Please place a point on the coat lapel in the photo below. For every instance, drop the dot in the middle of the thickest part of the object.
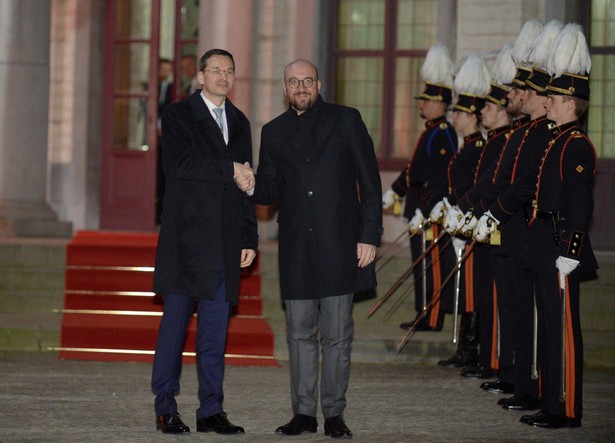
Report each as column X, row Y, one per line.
column 205, row 121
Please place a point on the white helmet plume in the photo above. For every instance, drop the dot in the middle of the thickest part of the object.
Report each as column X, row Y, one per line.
column 526, row 37
column 438, row 67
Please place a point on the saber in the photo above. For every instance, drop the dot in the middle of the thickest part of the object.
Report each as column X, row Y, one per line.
column 562, row 290
column 434, row 299
column 535, row 343
column 456, row 305
column 393, row 243
column 424, row 270
column 403, row 277
column 404, row 294
column 394, row 251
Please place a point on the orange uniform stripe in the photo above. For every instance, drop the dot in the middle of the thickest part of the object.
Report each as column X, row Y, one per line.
column 469, row 282
column 570, row 359
column 437, row 279
column 495, row 359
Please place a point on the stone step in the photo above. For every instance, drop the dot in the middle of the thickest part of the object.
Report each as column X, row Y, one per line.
column 30, row 318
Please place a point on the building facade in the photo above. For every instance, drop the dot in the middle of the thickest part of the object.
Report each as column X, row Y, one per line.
column 78, row 128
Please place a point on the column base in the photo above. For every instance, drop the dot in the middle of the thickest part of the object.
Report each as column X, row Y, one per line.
column 19, row 219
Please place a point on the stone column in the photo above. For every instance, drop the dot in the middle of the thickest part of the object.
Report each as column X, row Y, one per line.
column 24, row 109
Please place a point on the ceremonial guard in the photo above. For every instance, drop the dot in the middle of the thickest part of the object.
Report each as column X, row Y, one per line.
column 423, row 176
column 511, row 210
column 496, row 119
column 559, row 245
column 471, row 85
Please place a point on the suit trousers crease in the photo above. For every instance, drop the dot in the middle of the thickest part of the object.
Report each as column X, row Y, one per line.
column 212, row 324
column 332, row 316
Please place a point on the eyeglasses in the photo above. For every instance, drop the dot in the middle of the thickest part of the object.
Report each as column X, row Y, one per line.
column 217, row 71
column 295, row 82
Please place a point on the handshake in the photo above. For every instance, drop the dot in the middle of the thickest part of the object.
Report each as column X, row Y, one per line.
column 244, row 177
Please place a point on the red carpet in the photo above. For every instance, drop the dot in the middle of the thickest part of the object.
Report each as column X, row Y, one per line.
column 110, row 313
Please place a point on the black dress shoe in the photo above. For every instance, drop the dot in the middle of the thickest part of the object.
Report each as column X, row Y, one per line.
column 299, row 424
column 219, row 424
column 458, row 360
column 336, row 428
column 556, row 421
column 525, row 403
column 527, row 419
column 171, row 424
column 477, row 372
column 498, row 387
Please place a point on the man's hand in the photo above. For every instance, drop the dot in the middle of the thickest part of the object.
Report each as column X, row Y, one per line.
column 247, row 257
column 467, row 224
column 436, row 212
column 453, row 219
column 485, row 226
column 365, row 254
column 244, row 177
column 388, row 199
column 439, row 211
column 565, row 266
column 416, row 222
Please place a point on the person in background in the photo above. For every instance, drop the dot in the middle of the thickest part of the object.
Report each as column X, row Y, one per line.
column 189, row 80
column 423, row 176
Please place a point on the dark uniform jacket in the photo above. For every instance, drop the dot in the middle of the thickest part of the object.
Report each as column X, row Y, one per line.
column 462, row 167
column 206, row 220
column 322, row 166
column 563, row 201
column 496, row 140
column 515, row 186
column 421, row 181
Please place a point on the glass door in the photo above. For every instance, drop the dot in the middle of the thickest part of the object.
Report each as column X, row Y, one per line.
column 146, row 44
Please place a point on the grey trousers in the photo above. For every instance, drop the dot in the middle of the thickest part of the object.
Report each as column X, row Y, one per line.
column 303, row 318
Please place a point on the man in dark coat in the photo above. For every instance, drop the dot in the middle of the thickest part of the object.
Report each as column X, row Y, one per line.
column 319, row 160
column 208, row 233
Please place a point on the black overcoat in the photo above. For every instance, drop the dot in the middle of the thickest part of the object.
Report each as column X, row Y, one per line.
column 206, row 219
column 322, row 166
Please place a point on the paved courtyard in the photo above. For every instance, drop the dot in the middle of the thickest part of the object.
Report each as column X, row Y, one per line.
column 43, row 399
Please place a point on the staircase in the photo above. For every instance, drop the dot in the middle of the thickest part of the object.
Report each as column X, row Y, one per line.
column 32, row 300
column 110, row 313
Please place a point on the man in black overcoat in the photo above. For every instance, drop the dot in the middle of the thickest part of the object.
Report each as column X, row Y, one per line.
column 208, row 232
column 319, row 160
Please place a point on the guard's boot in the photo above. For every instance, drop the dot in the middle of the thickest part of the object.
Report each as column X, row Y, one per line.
column 467, row 349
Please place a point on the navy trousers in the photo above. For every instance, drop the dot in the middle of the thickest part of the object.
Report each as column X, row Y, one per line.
column 212, row 323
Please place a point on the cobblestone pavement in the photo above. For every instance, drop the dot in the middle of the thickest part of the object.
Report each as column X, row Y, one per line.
column 45, row 399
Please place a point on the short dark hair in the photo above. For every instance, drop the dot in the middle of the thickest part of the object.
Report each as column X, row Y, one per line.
column 581, row 105
column 211, row 53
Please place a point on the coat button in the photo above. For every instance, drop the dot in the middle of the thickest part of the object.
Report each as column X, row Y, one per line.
column 310, row 193
column 307, row 161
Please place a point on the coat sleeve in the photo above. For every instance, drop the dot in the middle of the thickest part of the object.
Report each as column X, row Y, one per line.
column 368, row 177
column 267, row 178
column 249, row 227
column 181, row 160
column 578, row 166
